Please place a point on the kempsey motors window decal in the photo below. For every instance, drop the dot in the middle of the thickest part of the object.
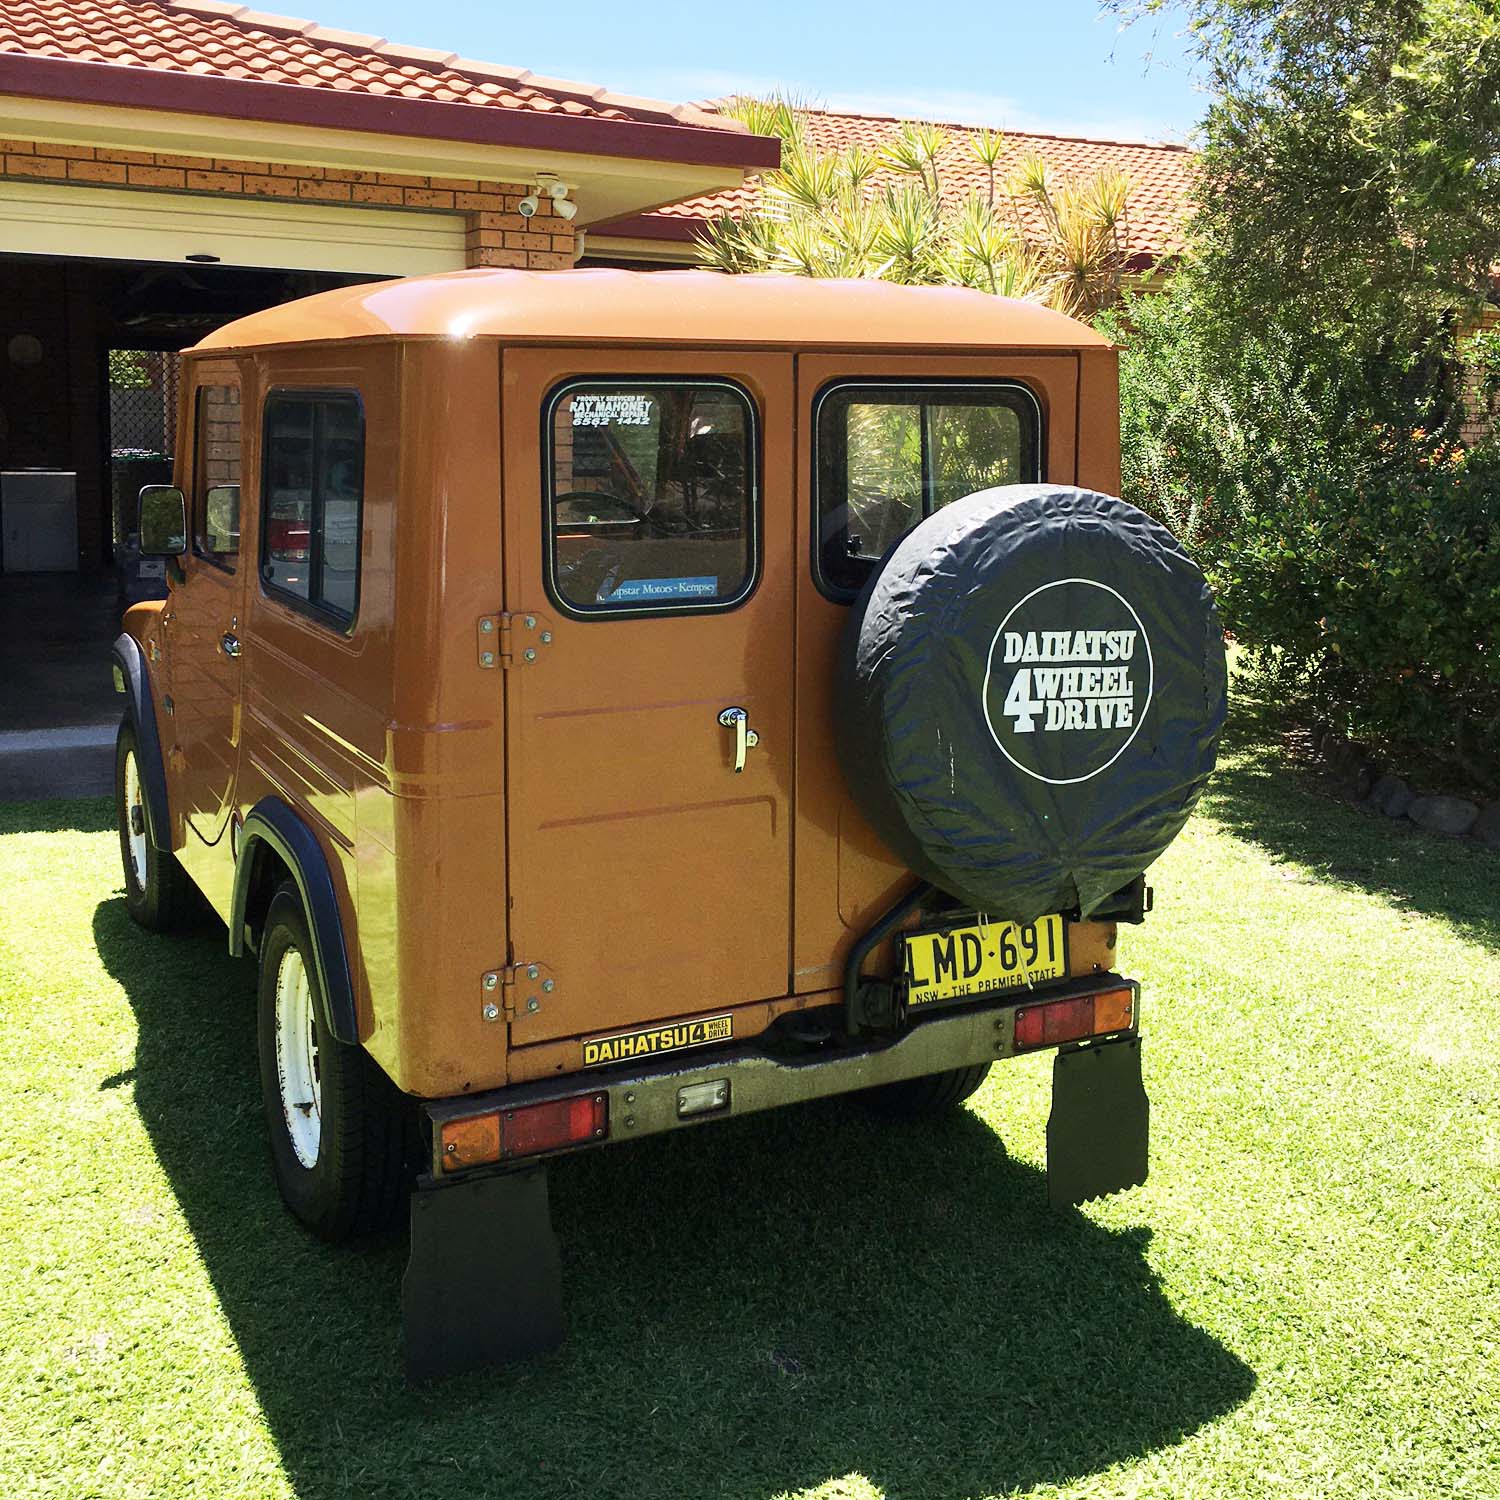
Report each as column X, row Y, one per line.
column 1068, row 680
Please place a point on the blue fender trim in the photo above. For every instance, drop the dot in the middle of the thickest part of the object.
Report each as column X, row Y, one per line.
column 274, row 822
column 141, row 711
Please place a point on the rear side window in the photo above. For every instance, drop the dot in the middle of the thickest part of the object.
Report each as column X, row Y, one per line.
column 314, row 465
column 888, row 455
column 216, row 474
column 651, row 501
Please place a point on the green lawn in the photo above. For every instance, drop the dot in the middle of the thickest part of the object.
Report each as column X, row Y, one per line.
column 1303, row 1301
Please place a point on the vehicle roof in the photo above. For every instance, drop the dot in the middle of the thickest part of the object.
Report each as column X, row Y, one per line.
column 660, row 307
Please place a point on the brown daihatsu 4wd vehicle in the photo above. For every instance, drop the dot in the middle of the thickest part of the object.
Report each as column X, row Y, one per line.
column 607, row 703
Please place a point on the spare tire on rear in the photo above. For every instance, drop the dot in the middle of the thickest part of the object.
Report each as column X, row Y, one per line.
column 1029, row 697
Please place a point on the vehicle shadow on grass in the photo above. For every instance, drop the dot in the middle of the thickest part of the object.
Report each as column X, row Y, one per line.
column 754, row 1307
column 58, row 815
column 1260, row 796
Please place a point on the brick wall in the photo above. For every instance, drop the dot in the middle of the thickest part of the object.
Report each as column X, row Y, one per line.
column 219, row 435
column 1480, row 417
column 495, row 233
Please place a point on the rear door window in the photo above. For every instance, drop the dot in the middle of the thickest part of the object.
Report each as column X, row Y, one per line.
column 651, row 498
column 314, row 458
column 888, row 455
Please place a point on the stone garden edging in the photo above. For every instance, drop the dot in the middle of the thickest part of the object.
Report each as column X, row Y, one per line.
column 1380, row 790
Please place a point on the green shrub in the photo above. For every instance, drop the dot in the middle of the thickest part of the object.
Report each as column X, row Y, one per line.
column 1354, row 546
column 127, row 370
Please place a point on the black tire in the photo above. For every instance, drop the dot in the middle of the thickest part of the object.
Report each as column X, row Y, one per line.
column 352, row 1180
column 158, row 893
column 1029, row 698
column 933, row 1094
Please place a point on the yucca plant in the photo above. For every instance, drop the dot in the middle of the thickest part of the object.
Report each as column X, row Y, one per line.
column 914, row 150
column 1083, row 230
column 988, row 147
column 882, row 213
column 780, row 115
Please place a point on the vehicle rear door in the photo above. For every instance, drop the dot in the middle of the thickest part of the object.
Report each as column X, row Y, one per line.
column 882, row 440
column 649, row 588
column 204, row 611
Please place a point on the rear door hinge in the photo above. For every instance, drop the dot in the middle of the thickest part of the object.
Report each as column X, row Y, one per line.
column 516, row 990
column 512, row 640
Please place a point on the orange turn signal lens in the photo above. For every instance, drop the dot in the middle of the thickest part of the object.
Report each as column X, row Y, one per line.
column 1058, row 1021
column 1114, row 1010
column 470, row 1142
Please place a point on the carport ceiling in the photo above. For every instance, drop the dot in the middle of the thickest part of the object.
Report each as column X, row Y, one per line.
column 172, row 306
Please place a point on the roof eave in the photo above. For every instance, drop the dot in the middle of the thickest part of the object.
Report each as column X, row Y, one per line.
column 295, row 104
column 652, row 227
column 683, row 229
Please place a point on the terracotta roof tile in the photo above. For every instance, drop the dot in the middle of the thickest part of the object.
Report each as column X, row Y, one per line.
column 233, row 41
column 1159, row 174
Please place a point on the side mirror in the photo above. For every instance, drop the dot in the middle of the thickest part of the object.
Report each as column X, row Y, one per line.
column 163, row 521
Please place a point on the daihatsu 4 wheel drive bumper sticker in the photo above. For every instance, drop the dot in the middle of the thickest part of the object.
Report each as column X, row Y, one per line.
column 649, row 1041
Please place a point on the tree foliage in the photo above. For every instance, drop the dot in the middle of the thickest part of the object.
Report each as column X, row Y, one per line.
column 1355, row 551
column 1351, row 161
column 1292, row 404
column 885, row 213
column 127, row 370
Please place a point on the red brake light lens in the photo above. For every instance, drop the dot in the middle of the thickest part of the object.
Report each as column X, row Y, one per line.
column 557, row 1123
column 1058, row 1021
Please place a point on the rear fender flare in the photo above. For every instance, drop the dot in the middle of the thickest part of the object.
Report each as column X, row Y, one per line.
column 140, row 710
column 274, row 823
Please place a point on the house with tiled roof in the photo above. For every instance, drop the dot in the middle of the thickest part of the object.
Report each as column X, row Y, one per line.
column 166, row 165
column 1159, row 176
column 169, row 165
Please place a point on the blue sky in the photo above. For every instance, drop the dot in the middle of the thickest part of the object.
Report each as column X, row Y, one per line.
column 1048, row 65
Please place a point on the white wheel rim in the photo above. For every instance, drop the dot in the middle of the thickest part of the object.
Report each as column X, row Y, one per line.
column 135, row 819
column 297, row 1058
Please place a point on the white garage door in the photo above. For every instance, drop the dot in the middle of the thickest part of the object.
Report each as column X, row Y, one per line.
column 39, row 218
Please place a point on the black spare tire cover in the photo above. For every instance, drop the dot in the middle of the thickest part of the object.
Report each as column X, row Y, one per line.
column 1029, row 697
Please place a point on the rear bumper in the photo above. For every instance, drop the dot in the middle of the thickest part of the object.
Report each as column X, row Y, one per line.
column 644, row 1099
column 484, row 1279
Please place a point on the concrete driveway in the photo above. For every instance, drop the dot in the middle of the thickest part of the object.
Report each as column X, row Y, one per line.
column 58, row 707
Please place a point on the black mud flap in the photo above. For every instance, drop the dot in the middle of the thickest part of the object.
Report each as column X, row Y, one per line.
column 1100, row 1121
column 484, row 1281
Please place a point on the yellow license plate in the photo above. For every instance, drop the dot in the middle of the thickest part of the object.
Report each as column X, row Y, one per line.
column 958, row 963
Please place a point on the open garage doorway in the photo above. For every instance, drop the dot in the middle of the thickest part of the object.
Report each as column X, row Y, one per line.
column 88, row 370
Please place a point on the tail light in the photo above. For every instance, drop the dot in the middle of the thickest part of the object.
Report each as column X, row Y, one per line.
column 548, row 1127
column 1058, row 1021
column 288, row 541
column 526, row 1130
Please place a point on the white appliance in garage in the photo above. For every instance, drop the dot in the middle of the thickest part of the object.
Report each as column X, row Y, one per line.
column 39, row 520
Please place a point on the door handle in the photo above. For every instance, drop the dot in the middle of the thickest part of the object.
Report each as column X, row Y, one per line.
column 231, row 643
column 744, row 736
